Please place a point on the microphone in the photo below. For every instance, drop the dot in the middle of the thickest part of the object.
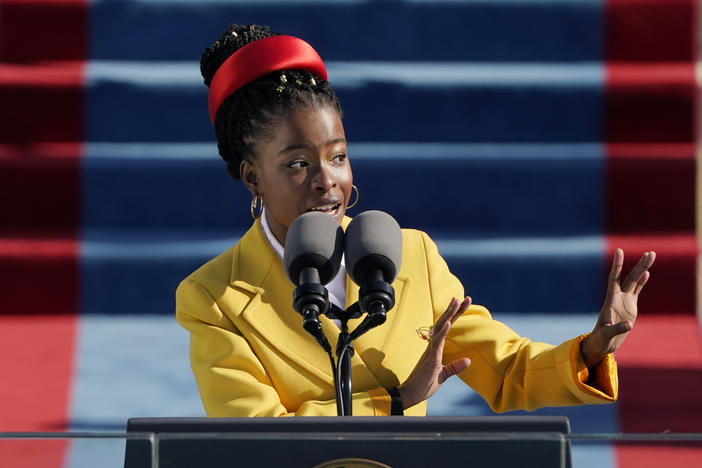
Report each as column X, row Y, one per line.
column 312, row 257
column 373, row 257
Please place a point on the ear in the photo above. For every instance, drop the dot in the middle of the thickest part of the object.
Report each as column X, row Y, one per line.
column 249, row 176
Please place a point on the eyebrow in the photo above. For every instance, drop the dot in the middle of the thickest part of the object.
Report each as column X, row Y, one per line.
column 287, row 149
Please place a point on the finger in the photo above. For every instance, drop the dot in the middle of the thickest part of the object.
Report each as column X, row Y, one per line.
column 453, row 368
column 639, row 269
column 450, row 310
column 641, row 282
column 615, row 272
column 436, row 349
column 440, row 334
column 462, row 307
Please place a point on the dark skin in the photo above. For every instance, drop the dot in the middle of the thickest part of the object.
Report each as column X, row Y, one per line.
column 303, row 166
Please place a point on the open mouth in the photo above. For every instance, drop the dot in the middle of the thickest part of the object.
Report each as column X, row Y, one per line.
column 331, row 210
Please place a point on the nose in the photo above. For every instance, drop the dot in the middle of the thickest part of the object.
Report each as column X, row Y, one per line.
column 323, row 180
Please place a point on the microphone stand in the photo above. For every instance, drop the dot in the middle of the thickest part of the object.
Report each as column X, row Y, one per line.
column 317, row 300
column 344, row 353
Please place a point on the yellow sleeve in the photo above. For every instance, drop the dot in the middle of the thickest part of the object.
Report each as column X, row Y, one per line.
column 508, row 371
column 231, row 379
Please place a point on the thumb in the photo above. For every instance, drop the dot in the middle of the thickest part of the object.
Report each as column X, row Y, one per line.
column 610, row 331
column 453, row 368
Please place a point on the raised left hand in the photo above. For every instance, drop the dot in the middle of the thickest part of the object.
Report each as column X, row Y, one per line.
column 429, row 373
column 619, row 310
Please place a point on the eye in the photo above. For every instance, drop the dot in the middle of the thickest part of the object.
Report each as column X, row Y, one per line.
column 340, row 157
column 298, row 164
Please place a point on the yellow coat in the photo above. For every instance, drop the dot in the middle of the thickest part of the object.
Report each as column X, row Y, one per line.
column 251, row 356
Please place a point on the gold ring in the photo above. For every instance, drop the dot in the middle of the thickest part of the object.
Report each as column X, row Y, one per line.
column 425, row 333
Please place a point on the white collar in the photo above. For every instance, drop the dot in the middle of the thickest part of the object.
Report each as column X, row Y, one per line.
column 337, row 286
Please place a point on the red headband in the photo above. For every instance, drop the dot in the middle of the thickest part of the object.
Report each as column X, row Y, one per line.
column 259, row 58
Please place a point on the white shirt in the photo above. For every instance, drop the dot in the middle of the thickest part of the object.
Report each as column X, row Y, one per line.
column 337, row 286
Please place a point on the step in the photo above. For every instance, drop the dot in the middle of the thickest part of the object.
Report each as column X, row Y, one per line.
column 495, row 30
column 40, row 274
column 40, row 187
column 537, row 275
column 412, row 101
column 423, row 101
column 475, row 189
column 137, row 272
column 551, row 30
column 398, row 30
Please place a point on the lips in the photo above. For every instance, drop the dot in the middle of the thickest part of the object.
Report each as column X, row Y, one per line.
column 331, row 209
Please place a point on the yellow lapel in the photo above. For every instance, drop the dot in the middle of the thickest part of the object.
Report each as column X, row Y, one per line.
column 258, row 270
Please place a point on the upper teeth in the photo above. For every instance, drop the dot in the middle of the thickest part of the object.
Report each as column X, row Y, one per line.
column 323, row 208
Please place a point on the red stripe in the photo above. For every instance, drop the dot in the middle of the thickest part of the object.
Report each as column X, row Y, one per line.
column 651, row 188
column 42, row 48
column 652, row 102
column 36, row 358
column 651, row 30
column 672, row 286
column 41, row 103
column 37, row 336
column 34, row 30
column 660, row 373
column 40, row 188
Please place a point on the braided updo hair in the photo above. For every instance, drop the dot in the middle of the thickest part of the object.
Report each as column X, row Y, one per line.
column 253, row 110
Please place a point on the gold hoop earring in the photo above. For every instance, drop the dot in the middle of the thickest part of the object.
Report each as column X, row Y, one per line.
column 254, row 204
column 353, row 187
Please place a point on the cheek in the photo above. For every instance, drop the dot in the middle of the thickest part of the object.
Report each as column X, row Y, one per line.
column 284, row 198
column 345, row 180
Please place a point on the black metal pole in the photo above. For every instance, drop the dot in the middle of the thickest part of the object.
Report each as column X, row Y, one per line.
column 344, row 352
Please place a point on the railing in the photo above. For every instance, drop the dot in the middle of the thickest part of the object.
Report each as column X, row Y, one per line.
column 107, row 449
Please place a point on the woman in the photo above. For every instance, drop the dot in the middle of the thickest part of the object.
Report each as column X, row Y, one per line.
column 278, row 125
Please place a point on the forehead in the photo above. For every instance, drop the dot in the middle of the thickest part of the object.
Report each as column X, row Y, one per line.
column 311, row 124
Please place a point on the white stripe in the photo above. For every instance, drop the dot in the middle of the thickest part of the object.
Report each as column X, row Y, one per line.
column 353, row 74
column 149, row 152
column 509, row 2
column 477, row 151
column 129, row 247
column 422, row 74
column 359, row 2
column 239, row 3
column 522, row 247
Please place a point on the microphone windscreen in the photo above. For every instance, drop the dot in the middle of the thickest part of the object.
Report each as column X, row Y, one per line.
column 373, row 242
column 314, row 240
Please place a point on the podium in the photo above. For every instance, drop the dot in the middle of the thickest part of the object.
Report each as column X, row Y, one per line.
column 395, row 441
